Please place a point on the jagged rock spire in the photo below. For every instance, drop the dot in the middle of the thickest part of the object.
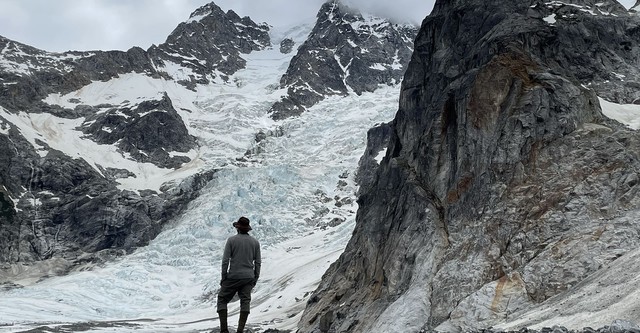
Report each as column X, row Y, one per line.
column 211, row 42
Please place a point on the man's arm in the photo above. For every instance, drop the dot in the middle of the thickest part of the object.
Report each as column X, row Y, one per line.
column 257, row 262
column 225, row 261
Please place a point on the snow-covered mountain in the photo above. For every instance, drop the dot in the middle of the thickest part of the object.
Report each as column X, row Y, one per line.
column 123, row 170
column 490, row 189
column 91, row 137
column 355, row 53
column 98, row 136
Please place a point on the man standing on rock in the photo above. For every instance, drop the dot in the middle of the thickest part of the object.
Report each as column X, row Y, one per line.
column 240, row 271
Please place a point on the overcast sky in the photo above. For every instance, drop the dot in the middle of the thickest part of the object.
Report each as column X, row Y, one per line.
column 61, row 25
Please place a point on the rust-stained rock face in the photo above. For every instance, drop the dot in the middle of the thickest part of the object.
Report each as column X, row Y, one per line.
column 503, row 183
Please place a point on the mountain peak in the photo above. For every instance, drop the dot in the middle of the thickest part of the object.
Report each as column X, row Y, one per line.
column 359, row 51
column 213, row 10
column 331, row 8
column 210, row 43
column 206, row 10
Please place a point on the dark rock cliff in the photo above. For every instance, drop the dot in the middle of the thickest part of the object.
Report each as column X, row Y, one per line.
column 344, row 52
column 503, row 184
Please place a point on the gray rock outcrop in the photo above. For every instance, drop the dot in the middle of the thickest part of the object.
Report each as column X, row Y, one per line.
column 377, row 142
column 503, row 184
column 147, row 132
column 286, row 46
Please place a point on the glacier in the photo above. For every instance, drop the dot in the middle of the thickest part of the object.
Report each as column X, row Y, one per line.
column 288, row 188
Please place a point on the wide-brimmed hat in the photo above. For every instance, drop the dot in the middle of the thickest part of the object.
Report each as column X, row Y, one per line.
column 242, row 224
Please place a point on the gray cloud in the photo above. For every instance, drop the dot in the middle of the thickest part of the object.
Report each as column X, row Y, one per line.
column 63, row 25
column 274, row 12
column 405, row 11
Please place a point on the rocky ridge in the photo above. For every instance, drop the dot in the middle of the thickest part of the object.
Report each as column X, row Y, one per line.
column 503, row 186
column 210, row 45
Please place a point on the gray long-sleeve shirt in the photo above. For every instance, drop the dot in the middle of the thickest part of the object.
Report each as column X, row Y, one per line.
column 241, row 258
